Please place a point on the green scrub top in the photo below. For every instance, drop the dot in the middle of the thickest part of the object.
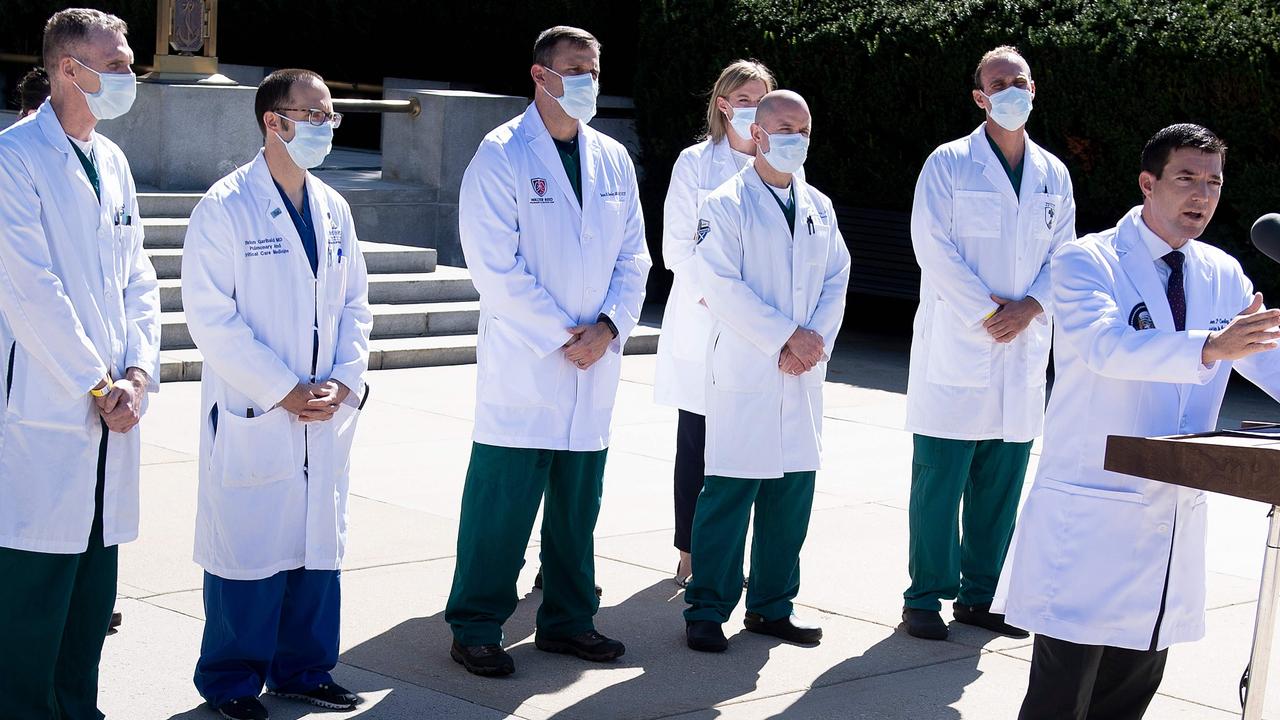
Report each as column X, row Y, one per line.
column 569, row 156
column 1015, row 174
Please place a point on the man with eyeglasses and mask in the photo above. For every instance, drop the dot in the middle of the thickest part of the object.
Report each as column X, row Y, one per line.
column 550, row 222
column 80, row 344
column 990, row 208
column 276, row 297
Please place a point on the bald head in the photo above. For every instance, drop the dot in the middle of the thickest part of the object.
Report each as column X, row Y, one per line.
column 783, row 111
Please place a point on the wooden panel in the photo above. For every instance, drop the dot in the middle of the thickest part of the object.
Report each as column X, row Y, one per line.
column 1246, row 466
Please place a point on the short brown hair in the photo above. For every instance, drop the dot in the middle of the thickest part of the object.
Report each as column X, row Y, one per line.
column 274, row 91
column 33, row 88
column 544, row 48
column 988, row 56
column 71, row 26
column 737, row 74
column 1155, row 155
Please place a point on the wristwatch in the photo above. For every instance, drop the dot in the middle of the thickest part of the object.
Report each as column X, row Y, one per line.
column 609, row 323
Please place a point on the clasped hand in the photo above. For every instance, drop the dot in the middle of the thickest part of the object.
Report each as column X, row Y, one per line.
column 802, row 352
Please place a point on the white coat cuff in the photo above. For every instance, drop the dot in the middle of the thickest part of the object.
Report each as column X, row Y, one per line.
column 272, row 394
column 349, row 377
column 1204, row 373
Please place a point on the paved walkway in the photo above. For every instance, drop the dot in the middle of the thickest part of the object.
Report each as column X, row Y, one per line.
column 407, row 481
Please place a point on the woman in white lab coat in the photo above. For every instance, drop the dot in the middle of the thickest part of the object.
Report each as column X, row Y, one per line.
column 686, row 324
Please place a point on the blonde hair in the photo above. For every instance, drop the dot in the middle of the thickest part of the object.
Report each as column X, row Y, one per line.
column 1004, row 51
column 737, row 74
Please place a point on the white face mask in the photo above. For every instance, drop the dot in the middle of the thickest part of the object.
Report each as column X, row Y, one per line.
column 579, row 99
column 115, row 94
column 310, row 144
column 1010, row 107
column 743, row 118
column 786, row 153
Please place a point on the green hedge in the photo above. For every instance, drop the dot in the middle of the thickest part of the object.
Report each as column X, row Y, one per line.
column 889, row 80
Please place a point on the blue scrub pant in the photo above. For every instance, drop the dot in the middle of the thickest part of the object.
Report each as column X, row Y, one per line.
column 281, row 631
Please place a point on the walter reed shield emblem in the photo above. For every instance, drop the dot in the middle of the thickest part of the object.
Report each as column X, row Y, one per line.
column 539, row 186
column 1140, row 318
column 1049, row 213
column 704, row 227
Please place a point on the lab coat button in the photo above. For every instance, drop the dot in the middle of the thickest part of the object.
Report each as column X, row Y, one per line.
column 1164, row 527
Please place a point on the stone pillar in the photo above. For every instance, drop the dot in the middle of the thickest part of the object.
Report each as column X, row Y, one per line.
column 434, row 148
column 186, row 137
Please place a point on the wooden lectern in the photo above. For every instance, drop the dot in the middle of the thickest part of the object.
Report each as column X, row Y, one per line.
column 1244, row 463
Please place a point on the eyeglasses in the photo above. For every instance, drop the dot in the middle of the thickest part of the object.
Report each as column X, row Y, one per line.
column 317, row 117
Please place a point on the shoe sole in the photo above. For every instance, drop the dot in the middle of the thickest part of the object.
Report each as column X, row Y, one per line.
column 228, row 717
column 717, row 648
column 924, row 636
column 793, row 641
column 313, row 701
column 1020, row 636
column 476, row 669
column 563, row 648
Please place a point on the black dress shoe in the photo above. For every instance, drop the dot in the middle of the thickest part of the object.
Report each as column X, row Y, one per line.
column 116, row 619
column 486, row 660
column 330, row 696
column 245, row 708
column 981, row 616
column 537, row 584
column 787, row 628
column 925, row 624
column 589, row 645
column 705, row 636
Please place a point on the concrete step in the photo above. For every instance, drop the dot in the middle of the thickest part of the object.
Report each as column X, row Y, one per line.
column 445, row 284
column 163, row 232
column 389, row 321
column 167, row 204
column 387, row 354
column 379, row 259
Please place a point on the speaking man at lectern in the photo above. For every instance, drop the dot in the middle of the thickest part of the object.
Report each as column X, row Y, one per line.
column 1108, row 569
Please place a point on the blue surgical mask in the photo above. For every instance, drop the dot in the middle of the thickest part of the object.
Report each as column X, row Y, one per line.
column 310, row 144
column 741, row 121
column 115, row 95
column 1010, row 107
column 786, row 153
column 579, row 99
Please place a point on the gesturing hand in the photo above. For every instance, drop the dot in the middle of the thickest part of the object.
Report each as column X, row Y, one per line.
column 1252, row 331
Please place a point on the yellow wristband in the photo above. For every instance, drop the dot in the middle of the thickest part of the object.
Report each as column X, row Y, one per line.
column 100, row 393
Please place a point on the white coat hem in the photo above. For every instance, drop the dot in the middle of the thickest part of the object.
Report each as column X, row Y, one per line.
column 263, row 573
column 754, row 474
column 539, row 443
column 48, row 547
column 1093, row 635
column 975, row 436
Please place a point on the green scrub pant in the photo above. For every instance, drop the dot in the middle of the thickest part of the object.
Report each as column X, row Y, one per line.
column 54, row 613
column 499, row 504
column 782, row 507
column 987, row 475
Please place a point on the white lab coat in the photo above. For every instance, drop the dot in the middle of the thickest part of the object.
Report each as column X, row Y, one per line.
column 78, row 299
column 973, row 237
column 680, row 375
column 761, row 282
column 543, row 264
column 253, row 307
column 1091, row 550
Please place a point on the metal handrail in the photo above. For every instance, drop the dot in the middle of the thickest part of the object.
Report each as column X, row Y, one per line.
column 409, row 107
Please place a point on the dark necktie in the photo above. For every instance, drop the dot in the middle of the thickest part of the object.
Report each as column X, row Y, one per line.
column 1176, row 293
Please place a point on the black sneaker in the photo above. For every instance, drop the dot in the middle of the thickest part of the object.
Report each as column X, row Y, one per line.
column 330, row 696
column 788, row 628
column 925, row 624
column 981, row 616
column 485, row 660
column 537, row 584
column 589, row 645
column 705, row 636
column 245, row 708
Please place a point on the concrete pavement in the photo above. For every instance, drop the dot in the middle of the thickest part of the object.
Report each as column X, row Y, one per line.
column 411, row 454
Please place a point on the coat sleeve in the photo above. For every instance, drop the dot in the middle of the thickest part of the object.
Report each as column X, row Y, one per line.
column 141, row 303
column 489, row 227
column 209, row 301
column 680, row 218
column 1063, row 233
column 935, row 248
column 719, row 256
column 829, row 313
column 623, row 301
column 1097, row 329
column 351, row 355
column 32, row 297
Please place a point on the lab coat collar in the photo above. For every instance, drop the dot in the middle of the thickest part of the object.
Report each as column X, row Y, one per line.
column 47, row 120
column 1155, row 244
column 764, row 197
column 272, row 206
column 1136, row 261
column 538, row 138
column 1034, row 167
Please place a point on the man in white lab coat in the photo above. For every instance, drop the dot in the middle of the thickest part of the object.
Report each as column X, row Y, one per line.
column 80, row 333
column 276, row 298
column 774, row 270
column 1107, row 569
column 551, row 227
column 989, row 210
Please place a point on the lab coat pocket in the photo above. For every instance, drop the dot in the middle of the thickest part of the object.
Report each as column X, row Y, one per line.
column 959, row 354
column 977, row 214
column 248, row 452
column 738, row 366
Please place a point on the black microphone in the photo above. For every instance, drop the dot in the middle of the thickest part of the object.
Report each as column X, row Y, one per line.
column 1266, row 235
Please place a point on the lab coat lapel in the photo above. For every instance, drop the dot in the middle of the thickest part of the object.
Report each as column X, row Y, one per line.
column 981, row 152
column 57, row 137
column 544, row 148
column 766, row 206
column 717, row 167
column 1200, row 287
column 591, row 160
column 1141, row 271
column 274, row 210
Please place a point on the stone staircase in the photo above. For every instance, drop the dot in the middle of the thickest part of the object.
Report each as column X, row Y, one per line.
column 424, row 314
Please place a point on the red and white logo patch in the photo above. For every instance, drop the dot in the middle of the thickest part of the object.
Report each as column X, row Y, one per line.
column 539, row 186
